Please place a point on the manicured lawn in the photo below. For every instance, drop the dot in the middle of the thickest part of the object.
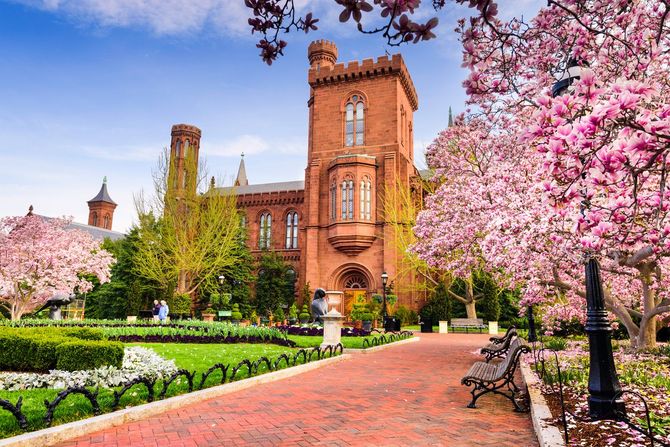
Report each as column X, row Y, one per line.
column 198, row 357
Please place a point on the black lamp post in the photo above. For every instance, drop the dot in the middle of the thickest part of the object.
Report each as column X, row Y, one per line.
column 385, row 278
column 603, row 380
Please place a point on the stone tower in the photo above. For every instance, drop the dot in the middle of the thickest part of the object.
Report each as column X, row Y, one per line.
column 101, row 208
column 184, row 153
column 360, row 141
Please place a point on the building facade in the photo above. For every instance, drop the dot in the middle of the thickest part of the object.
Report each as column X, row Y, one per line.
column 331, row 227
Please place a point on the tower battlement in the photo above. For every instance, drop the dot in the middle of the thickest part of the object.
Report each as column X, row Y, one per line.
column 368, row 68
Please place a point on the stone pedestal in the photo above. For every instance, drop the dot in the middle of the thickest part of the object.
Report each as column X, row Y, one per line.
column 332, row 328
column 444, row 327
column 493, row 328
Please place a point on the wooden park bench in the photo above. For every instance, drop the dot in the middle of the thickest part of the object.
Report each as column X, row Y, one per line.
column 498, row 348
column 494, row 378
column 468, row 323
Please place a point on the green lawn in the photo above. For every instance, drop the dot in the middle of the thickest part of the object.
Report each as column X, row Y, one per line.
column 198, row 357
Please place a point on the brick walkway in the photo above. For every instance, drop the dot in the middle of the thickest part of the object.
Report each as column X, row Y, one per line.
column 408, row 395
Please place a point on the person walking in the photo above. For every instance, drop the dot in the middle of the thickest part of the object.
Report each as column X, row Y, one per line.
column 156, row 309
column 163, row 312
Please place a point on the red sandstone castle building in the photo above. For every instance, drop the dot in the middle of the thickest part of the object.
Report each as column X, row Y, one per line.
column 331, row 227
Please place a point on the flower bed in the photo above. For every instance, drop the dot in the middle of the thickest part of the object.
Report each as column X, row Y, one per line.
column 646, row 373
column 137, row 362
column 310, row 330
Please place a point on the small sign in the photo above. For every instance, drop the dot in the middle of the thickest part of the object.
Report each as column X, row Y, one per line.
column 225, row 313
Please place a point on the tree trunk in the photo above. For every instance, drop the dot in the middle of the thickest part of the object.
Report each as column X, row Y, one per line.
column 182, row 283
column 470, row 299
column 647, row 337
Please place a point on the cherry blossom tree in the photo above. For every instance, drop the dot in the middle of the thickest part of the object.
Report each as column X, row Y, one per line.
column 40, row 258
column 593, row 159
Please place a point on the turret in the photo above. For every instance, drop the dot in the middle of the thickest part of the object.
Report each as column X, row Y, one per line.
column 322, row 53
column 184, row 152
column 101, row 208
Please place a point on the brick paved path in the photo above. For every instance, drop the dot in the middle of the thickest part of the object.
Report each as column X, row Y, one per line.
column 408, row 395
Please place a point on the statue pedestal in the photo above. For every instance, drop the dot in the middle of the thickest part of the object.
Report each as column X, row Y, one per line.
column 332, row 328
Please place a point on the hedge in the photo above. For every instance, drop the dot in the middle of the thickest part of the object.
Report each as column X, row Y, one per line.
column 35, row 349
column 78, row 355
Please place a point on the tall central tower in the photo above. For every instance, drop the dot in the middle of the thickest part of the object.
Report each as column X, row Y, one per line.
column 360, row 142
column 184, row 155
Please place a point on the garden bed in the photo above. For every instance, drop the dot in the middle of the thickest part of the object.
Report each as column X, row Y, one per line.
column 201, row 366
column 647, row 374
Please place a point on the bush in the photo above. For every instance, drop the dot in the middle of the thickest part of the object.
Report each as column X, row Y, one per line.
column 367, row 316
column 304, row 316
column 82, row 355
column 236, row 314
column 36, row 349
column 279, row 315
column 180, row 304
column 556, row 343
column 406, row 315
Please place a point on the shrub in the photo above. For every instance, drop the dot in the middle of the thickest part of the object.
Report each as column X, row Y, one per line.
column 293, row 312
column 279, row 314
column 304, row 316
column 84, row 333
column 406, row 315
column 81, row 355
column 367, row 316
column 180, row 304
column 556, row 343
column 357, row 311
column 236, row 314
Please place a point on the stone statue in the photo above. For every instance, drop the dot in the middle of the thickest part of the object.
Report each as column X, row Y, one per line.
column 54, row 304
column 319, row 305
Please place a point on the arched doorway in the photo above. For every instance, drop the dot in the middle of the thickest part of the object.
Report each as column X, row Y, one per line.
column 355, row 289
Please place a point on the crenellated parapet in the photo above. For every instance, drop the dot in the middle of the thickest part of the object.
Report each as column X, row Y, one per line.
column 368, row 68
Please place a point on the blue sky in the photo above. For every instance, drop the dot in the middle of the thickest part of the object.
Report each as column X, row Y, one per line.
column 91, row 89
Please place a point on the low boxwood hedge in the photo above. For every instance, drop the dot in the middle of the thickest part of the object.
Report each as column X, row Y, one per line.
column 78, row 355
column 35, row 349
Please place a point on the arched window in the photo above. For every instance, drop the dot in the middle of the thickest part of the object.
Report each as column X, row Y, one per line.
column 354, row 122
column 365, row 197
column 292, row 230
column 95, row 219
column 356, row 281
column 348, row 199
column 266, row 231
column 333, row 201
column 105, row 222
column 186, row 146
column 177, row 150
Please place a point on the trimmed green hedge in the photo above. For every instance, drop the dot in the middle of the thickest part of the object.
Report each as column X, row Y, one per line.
column 78, row 355
column 35, row 349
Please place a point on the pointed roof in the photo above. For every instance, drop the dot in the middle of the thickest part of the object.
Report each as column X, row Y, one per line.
column 241, row 179
column 103, row 195
column 451, row 118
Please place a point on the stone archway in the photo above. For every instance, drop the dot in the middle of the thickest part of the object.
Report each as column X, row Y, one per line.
column 355, row 282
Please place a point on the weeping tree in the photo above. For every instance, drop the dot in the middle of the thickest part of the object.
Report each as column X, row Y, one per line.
column 188, row 234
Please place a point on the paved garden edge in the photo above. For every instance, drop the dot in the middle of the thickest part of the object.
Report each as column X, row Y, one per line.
column 547, row 435
column 64, row 432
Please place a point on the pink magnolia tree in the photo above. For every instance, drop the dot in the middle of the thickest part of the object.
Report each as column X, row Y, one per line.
column 594, row 159
column 40, row 258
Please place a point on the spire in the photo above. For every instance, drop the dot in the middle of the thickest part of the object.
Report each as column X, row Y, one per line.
column 103, row 195
column 241, row 179
column 451, row 118
column 30, row 210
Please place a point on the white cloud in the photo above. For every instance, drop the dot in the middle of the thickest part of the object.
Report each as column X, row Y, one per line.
column 163, row 17
column 254, row 144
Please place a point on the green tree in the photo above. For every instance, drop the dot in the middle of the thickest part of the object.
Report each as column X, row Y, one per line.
column 275, row 285
column 198, row 234
column 126, row 293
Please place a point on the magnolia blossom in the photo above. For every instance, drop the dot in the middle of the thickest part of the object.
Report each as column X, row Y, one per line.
column 40, row 258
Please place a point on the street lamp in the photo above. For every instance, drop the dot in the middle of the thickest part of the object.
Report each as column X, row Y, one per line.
column 385, row 278
column 603, row 381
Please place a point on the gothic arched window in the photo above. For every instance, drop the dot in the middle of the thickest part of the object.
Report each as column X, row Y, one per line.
column 292, row 230
column 365, row 198
column 177, row 149
column 333, row 201
column 266, row 231
column 347, row 199
column 354, row 121
column 105, row 222
column 95, row 219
